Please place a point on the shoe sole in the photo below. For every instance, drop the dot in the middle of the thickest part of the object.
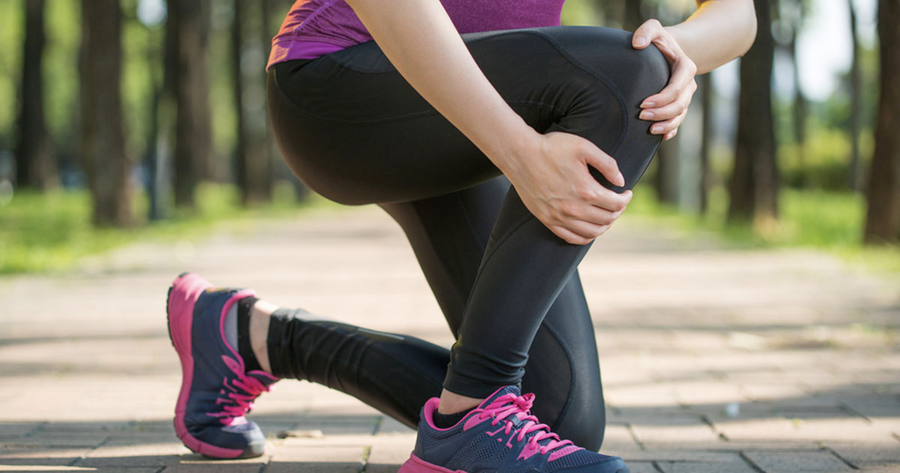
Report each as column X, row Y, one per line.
column 417, row 465
column 183, row 293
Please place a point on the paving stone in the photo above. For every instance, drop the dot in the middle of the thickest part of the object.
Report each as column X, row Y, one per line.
column 872, row 453
column 337, row 454
column 737, row 465
column 661, row 435
column 642, row 467
column 12, row 430
column 58, row 440
column 40, row 456
column 128, row 453
column 213, row 467
column 775, row 462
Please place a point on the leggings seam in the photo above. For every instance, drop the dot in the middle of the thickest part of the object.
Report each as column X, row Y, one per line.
column 487, row 257
column 426, row 113
column 617, row 94
column 574, row 380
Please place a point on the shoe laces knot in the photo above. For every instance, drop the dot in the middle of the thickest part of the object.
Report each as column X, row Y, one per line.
column 238, row 393
column 510, row 405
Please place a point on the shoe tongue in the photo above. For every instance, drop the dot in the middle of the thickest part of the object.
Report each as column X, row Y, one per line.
column 498, row 393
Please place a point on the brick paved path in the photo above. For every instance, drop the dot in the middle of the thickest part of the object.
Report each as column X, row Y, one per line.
column 714, row 360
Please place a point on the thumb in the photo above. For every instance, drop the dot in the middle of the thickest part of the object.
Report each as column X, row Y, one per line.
column 644, row 33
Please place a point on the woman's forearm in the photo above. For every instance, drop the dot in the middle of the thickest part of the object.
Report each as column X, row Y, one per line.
column 719, row 31
column 422, row 43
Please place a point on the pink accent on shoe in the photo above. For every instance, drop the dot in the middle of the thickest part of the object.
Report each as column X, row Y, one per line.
column 242, row 403
column 428, row 412
column 519, row 406
column 561, row 453
column 184, row 294
column 417, row 465
column 230, row 302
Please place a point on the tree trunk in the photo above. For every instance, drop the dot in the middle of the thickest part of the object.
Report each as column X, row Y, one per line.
column 35, row 157
column 855, row 177
column 707, row 133
column 754, row 183
column 667, row 158
column 883, row 217
column 193, row 140
column 633, row 16
column 268, row 143
column 241, row 158
column 102, row 134
column 799, row 108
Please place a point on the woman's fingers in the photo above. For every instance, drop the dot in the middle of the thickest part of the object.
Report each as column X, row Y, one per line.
column 604, row 163
column 672, row 109
column 668, row 107
column 667, row 126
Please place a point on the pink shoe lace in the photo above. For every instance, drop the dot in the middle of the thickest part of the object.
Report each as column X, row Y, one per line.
column 238, row 399
column 520, row 406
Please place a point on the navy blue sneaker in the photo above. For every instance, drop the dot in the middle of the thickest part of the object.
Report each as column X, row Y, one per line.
column 501, row 436
column 216, row 392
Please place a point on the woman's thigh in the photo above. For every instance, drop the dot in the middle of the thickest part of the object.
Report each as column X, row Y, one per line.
column 352, row 128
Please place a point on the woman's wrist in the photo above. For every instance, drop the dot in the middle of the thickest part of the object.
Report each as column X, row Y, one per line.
column 511, row 149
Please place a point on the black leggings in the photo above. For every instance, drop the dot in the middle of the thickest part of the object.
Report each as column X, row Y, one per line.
column 355, row 131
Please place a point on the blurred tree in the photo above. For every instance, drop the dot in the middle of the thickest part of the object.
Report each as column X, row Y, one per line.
column 855, row 177
column 253, row 160
column 883, row 217
column 36, row 165
column 800, row 108
column 633, row 16
column 754, row 182
column 187, row 69
column 102, row 132
column 707, row 132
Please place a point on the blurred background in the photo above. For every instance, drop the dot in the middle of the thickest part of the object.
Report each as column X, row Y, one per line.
column 121, row 119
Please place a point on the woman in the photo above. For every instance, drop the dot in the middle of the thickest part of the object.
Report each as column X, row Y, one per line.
column 451, row 103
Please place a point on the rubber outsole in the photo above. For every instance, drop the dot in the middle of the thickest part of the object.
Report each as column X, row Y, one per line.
column 416, row 465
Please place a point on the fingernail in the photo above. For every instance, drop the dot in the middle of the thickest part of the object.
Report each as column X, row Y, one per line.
column 620, row 179
column 645, row 115
column 656, row 129
column 648, row 104
column 640, row 41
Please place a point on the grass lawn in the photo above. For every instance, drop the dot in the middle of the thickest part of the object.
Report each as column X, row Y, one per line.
column 811, row 219
column 51, row 232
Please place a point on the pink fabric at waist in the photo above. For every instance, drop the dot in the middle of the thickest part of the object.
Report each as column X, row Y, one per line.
column 288, row 50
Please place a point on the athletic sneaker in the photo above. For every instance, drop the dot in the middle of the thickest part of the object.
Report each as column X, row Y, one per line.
column 502, row 436
column 216, row 392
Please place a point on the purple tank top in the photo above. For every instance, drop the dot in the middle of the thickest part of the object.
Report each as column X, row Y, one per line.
column 314, row 28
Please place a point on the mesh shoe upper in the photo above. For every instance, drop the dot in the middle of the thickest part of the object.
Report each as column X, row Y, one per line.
column 501, row 435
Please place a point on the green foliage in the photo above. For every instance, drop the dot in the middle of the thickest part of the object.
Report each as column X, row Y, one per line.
column 11, row 33
column 61, row 85
column 811, row 219
column 51, row 232
column 824, row 163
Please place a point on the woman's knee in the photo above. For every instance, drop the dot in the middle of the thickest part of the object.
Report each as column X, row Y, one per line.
column 608, row 54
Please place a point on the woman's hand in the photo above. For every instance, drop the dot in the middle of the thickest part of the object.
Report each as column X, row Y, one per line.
column 669, row 107
column 554, row 182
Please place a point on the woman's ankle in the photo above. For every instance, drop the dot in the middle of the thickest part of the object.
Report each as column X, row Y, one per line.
column 259, row 332
column 452, row 403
